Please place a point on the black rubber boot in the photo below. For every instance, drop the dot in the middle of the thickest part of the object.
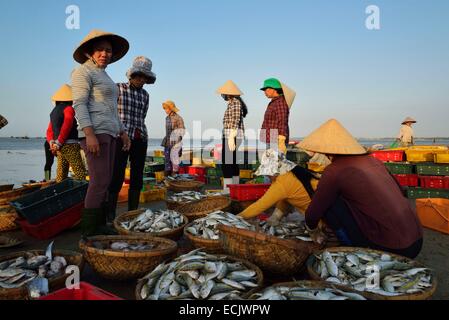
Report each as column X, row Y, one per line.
column 133, row 199
column 102, row 227
column 89, row 221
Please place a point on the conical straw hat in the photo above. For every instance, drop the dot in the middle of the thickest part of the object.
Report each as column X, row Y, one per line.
column 409, row 119
column 332, row 138
column 120, row 45
column 289, row 94
column 230, row 88
column 64, row 94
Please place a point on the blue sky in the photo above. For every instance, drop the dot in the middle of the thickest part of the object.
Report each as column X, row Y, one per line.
column 369, row 80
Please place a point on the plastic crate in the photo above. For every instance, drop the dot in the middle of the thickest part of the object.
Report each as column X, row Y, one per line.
column 43, row 204
column 183, row 170
column 434, row 214
column 85, row 292
column 424, row 193
column 214, row 181
column 158, row 153
column 407, row 180
column 214, row 172
column 434, row 182
column 246, row 174
column 389, row 156
column 202, row 179
column 55, row 225
column 153, row 194
column 196, row 170
column 154, row 168
column 160, row 160
column 400, row 168
column 248, row 192
column 441, row 157
column 123, row 194
column 160, row 176
column 431, row 169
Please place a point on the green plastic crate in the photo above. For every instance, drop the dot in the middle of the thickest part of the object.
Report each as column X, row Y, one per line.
column 154, row 168
column 160, row 160
column 422, row 193
column 214, row 172
column 432, row 169
column 400, row 168
column 214, row 181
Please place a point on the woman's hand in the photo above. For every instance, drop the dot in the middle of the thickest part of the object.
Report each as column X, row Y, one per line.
column 317, row 235
column 126, row 141
column 92, row 144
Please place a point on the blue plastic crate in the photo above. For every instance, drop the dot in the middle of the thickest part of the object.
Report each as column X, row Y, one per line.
column 43, row 204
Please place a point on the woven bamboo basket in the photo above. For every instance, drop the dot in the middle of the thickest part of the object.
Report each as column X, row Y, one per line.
column 273, row 255
column 311, row 285
column 7, row 242
column 247, row 264
column 426, row 294
column 56, row 283
column 173, row 205
column 186, row 185
column 14, row 194
column 208, row 245
column 201, row 208
column 6, row 187
column 174, row 234
column 8, row 217
column 120, row 265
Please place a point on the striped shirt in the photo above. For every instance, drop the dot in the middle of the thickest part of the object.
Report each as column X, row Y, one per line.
column 233, row 118
column 95, row 100
column 132, row 108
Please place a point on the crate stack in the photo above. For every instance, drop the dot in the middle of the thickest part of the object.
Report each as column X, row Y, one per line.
column 214, row 176
column 199, row 172
column 423, row 170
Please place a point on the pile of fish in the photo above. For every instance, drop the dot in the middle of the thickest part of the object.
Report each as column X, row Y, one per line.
column 124, row 246
column 302, row 293
column 287, row 230
column 207, row 227
column 187, row 196
column 22, row 270
column 368, row 271
column 198, row 275
column 181, row 177
column 154, row 222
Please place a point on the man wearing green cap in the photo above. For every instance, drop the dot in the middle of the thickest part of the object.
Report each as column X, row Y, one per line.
column 275, row 124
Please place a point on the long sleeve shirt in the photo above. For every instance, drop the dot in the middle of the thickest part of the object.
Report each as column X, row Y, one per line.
column 95, row 98
column 406, row 134
column 373, row 197
column 276, row 118
column 286, row 188
column 233, row 118
column 61, row 126
column 174, row 130
column 133, row 106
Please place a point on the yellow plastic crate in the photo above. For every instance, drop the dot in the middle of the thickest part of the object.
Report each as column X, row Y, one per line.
column 423, row 155
column 246, row 174
column 429, row 148
column 154, row 194
column 441, row 157
column 159, row 153
column 160, row 176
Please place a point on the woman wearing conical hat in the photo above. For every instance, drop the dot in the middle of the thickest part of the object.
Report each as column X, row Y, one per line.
column 172, row 143
column 233, row 131
column 62, row 136
column 95, row 98
column 406, row 135
column 358, row 198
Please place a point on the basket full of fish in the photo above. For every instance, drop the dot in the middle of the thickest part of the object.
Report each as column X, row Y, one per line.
column 377, row 274
column 183, row 182
column 306, row 290
column 200, row 276
column 126, row 257
column 29, row 274
column 204, row 233
column 178, row 199
column 200, row 209
column 280, row 250
column 162, row 223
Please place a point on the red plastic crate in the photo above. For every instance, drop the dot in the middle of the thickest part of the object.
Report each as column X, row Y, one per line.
column 407, row 180
column 183, row 170
column 55, row 225
column 247, row 192
column 85, row 292
column 198, row 171
column 392, row 155
column 434, row 182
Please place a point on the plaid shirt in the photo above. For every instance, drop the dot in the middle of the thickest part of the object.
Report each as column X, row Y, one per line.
column 132, row 108
column 174, row 130
column 233, row 118
column 276, row 118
